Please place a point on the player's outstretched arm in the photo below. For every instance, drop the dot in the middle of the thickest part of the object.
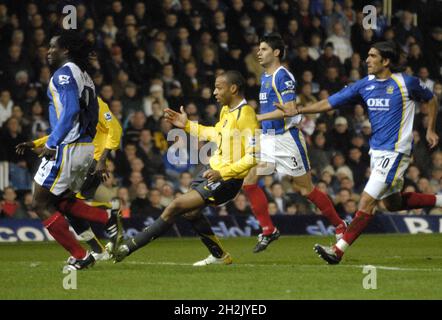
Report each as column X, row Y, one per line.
column 22, row 147
column 178, row 119
column 276, row 114
column 318, row 107
column 431, row 136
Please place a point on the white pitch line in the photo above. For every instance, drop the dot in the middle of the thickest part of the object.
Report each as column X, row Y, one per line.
column 164, row 263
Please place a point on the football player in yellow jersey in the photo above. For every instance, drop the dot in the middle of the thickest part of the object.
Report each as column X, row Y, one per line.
column 234, row 135
column 106, row 139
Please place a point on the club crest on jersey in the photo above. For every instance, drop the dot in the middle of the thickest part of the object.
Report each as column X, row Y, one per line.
column 267, row 85
column 63, row 79
column 108, row 116
column 290, row 84
column 390, row 89
column 225, row 123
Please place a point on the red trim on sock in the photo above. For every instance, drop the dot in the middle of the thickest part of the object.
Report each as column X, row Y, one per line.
column 323, row 202
column 260, row 207
column 414, row 200
column 58, row 227
column 359, row 223
column 78, row 208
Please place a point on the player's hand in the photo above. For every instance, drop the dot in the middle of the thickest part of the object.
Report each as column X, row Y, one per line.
column 178, row 119
column 212, row 175
column 432, row 139
column 289, row 110
column 101, row 171
column 48, row 153
column 21, row 147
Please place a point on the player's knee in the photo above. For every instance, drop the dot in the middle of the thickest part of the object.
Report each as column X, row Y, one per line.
column 392, row 206
column 305, row 191
column 191, row 215
column 176, row 207
column 38, row 205
column 367, row 205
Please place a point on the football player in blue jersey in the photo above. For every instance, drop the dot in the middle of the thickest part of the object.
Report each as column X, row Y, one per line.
column 390, row 97
column 282, row 143
column 68, row 152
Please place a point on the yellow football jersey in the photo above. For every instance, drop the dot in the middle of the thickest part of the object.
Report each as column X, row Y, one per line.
column 234, row 136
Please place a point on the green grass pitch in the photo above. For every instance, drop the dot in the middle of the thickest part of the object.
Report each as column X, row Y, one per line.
column 408, row 267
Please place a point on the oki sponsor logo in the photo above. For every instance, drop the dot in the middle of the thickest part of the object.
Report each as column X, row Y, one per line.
column 378, row 102
column 262, row 96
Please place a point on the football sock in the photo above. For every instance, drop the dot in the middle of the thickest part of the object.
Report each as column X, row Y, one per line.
column 90, row 238
column 324, row 204
column 83, row 229
column 58, row 227
column 438, row 200
column 260, row 207
column 95, row 245
column 78, row 208
column 79, row 225
column 202, row 226
column 414, row 200
column 355, row 228
column 158, row 228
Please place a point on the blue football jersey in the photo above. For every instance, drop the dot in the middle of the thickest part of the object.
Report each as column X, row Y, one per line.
column 73, row 106
column 391, row 108
column 278, row 87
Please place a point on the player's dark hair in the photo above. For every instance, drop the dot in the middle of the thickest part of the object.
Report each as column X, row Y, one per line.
column 235, row 78
column 389, row 50
column 79, row 49
column 275, row 41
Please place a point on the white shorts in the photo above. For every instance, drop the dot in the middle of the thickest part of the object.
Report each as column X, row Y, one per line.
column 68, row 170
column 287, row 152
column 387, row 173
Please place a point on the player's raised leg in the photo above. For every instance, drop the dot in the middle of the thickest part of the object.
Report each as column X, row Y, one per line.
column 186, row 203
column 361, row 220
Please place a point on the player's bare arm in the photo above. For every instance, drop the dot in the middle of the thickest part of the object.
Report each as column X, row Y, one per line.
column 178, row 119
column 100, row 168
column 318, row 107
column 21, row 147
column 432, row 137
column 48, row 153
column 212, row 175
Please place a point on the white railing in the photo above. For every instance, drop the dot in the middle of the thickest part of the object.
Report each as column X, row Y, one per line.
column 4, row 174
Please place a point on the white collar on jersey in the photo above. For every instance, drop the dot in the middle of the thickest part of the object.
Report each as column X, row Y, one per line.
column 373, row 77
column 274, row 72
column 243, row 102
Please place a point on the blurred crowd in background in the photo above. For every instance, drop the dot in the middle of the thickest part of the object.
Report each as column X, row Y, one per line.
column 158, row 54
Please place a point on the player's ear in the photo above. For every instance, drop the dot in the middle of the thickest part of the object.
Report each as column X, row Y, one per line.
column 276, row 52
column 233, row 89
column 386, row 62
